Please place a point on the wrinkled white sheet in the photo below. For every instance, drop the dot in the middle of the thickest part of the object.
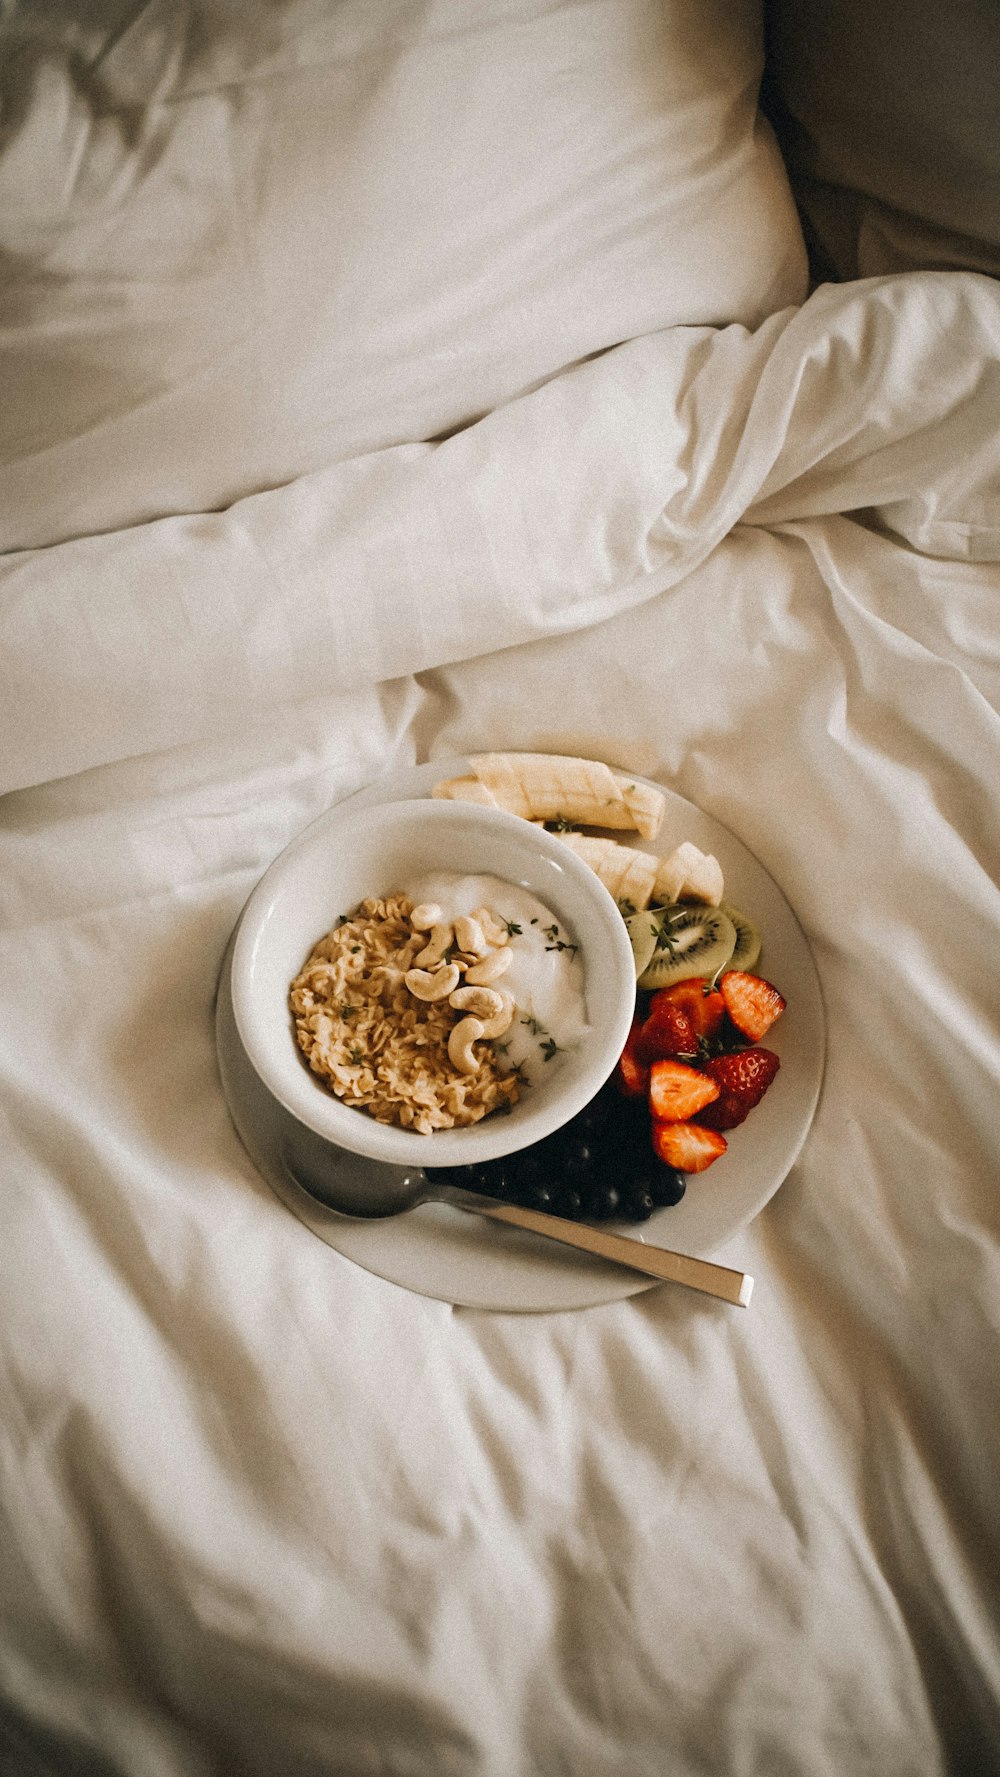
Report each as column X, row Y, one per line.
column 241, row 242
column 263, row 1512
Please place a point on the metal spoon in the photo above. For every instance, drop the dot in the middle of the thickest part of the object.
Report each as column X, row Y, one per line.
column 365, row 1189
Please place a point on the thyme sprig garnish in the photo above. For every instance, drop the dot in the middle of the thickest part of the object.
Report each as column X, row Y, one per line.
column 557, row 943
column 547, row 1043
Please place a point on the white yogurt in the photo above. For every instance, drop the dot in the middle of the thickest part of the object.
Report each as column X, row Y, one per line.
column 545, row 978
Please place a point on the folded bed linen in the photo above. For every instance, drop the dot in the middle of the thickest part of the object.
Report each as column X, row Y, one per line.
column 239, row 244
column 590, row 495
column 264, row 1511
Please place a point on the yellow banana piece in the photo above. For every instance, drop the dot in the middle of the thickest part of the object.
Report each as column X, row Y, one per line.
column 689, row 875
column 629, row 876
column 464, row 789
column 636, row 878
column 552, row 786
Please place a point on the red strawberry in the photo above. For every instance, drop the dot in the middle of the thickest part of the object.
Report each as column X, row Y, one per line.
column 752, row 1003
column 677, row 1092
column 743, row 1078
column 701, row 1003
column 631, row 1075
column 687, row 1146
column 668, row 1031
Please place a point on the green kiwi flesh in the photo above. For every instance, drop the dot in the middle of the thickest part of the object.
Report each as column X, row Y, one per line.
column 748, row 940
column 692, row 940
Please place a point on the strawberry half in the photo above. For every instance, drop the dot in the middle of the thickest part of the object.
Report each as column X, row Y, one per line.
column 667, row 1032
column 687, row 1146
column 631, row 1075
column 742, row 1078
column 677, row 1092
column 752, row 1003
column 702, row 1004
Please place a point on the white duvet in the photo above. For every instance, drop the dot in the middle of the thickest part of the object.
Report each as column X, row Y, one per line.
column 264, row 1512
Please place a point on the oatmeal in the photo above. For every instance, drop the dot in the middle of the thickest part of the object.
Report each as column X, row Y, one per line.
column 375, row 1018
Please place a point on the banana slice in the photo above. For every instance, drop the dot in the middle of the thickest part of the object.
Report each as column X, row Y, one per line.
column 464, row 789
column 629, row 876
column 690, row 875
column 550, row 786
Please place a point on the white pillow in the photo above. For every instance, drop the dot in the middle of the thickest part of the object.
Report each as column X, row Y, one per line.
column 247, row 242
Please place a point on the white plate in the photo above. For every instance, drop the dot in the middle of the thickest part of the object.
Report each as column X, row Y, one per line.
column 464, row 1259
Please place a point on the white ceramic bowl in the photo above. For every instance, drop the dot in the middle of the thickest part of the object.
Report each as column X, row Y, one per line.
column 351, row 853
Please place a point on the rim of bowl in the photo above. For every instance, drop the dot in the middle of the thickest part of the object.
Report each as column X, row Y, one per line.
column 492, row 1138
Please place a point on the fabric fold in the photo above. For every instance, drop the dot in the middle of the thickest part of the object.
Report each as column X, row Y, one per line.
column 421, row 556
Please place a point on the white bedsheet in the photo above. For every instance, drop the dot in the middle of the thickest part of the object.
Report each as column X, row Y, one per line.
column 264, row 1512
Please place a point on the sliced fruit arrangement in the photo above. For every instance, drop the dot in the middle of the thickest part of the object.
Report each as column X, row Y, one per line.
column 566, row 794
column 637, row 879
column 551, row 786
column 687, row 1075
column 693, row 1053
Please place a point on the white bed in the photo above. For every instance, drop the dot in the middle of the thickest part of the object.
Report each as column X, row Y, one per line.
column 383, row 384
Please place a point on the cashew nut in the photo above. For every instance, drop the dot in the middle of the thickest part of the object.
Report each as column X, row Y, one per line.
column 482, row 1002
column 494, row 930
column 463, row 1035
column 493, row 1008
column 469, row 935
column 504, row 1018
column 441, row 936
column 436, row 984
column 426, row 915
column 495, row 964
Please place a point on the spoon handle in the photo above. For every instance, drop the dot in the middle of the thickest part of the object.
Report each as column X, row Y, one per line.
column 655, row 1261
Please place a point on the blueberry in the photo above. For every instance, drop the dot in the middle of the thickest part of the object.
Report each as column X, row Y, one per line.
column 502, row 1182
column 602, row 1203
column 540, row 1197
column 665, row 1186
column 578, row 1158
column 525, row 1168
column 637, row 1205
column 569, row 1204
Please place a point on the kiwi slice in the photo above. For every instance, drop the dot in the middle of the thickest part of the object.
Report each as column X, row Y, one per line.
column 692, row 940
column 643, row 930
column 748, row 939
